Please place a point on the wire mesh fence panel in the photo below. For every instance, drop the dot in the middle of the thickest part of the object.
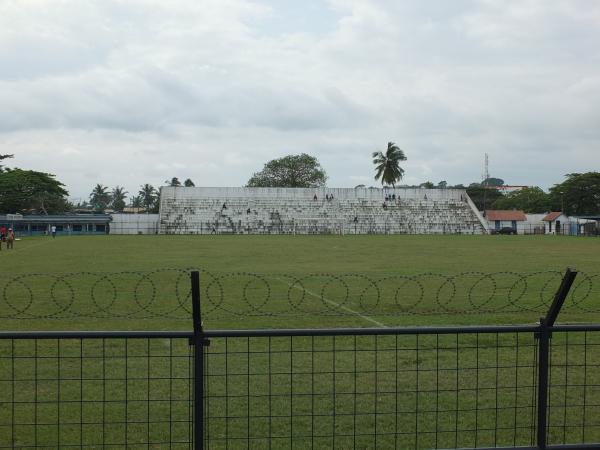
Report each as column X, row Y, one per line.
column 574, row 388
column 95, row 393
column 400, row 391
column 512, row 386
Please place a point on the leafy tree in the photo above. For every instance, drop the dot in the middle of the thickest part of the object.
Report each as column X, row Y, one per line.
column 483, row 197
column 4, row 157
column 31, row 191
column 427, row 185
column 578, row 195
column 148, row 197
column 493, row 182
column 387, row 166
column 302, row 171
column 117, row 197
column 189, row 183
column 100, row 198
column 442, row 185
column 174, row 182
column 530, row 200
column 136, row 201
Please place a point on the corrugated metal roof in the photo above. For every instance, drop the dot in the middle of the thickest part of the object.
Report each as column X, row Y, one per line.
column 498, row 214
column 61, row 219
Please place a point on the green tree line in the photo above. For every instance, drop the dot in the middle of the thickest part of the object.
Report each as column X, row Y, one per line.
column 578, row 195
column 28, row 191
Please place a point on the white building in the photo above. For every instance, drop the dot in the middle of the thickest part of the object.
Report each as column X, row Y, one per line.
column 498, row 219
column 555, row 223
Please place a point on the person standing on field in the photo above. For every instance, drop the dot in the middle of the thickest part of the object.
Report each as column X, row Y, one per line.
column 10, row 239
column 53, row 229
column 2, row 235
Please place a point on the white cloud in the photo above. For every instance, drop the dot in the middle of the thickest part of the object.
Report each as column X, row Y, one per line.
column 133, row 92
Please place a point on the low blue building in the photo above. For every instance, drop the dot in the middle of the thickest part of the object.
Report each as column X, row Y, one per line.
column 66, row 224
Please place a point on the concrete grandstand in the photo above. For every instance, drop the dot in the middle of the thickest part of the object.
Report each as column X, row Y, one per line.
column 205, row 210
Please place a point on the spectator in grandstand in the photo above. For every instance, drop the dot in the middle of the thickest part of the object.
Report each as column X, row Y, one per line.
column 10, row 239
column 315, row 197
column 355, row 219
column 384, row 205
column 224, row 206
column 248, row 211
column 394, row 197
column 331, row 197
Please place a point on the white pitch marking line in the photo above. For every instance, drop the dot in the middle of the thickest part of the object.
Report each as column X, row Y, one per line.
column 331, row 302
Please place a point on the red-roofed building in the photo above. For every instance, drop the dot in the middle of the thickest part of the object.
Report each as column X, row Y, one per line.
column 498, row 219
column 555, row 221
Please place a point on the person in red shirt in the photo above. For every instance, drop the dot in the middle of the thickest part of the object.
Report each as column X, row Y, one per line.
column 2, row 235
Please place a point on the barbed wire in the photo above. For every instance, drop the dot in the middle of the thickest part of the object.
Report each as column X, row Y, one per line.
column 166, row 293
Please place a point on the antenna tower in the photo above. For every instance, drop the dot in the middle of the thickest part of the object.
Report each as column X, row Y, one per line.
column 486, row 167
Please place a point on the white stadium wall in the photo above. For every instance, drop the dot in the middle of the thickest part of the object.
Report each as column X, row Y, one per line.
column 228, row 210
column 134, row 224
column 183, row 193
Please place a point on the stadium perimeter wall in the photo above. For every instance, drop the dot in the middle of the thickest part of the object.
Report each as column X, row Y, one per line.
column 134, row 224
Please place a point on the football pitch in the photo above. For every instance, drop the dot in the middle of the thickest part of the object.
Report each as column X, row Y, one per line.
column 303, row 254
column 294, row 281
column 367, row 391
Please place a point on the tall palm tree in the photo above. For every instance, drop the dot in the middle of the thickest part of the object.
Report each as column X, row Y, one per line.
column 118, row 196
column 148, row 196
column 99, row 198
column 387, row 166
column 136, row 201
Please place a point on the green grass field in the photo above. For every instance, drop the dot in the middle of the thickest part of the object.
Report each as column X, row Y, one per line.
column 405, row 392
column 303, row 254
column 304, row 275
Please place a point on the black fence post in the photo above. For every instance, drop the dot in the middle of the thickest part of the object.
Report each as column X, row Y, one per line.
column 198, row 342
column 542, row 403
column 544, row 335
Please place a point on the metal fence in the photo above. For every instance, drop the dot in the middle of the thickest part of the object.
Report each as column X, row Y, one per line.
column 103, row 390
column 411, row 388
column 522, row 386
column 572, row 228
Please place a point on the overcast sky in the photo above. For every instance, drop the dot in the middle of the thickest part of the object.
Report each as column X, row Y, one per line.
column 138, row 91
